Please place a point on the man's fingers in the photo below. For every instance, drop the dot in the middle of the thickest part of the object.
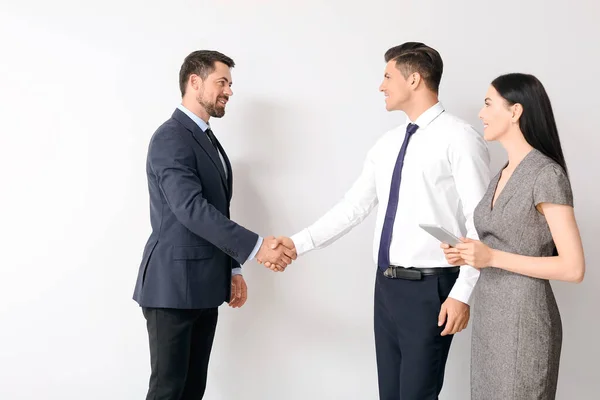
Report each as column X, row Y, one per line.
column 449, row 329
column 456, row 324
column 287, row 246
column 284, row 260
column 455, row 327
column 446, row 330
column 238, row 291
column 277, row 268
column 275, row 242
column 280, row 265
column 233, row 299
column 281, row 240
column 442, row 315
column 238, row 295
column 459, row 326
column 244, row 295
column 291, row 253
column 272, row 266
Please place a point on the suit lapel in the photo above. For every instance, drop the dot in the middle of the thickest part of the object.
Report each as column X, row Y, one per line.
column 204, row 142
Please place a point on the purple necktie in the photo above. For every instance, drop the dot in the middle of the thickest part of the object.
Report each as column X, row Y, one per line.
column 390, row 214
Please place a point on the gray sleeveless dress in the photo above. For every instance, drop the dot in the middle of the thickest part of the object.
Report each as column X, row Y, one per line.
column 517, row 331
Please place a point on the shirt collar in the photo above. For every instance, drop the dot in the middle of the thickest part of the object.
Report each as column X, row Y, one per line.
column 199, row 121
column 429, row 115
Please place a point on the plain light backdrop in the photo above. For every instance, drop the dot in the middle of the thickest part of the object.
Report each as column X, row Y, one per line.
column 83, row 85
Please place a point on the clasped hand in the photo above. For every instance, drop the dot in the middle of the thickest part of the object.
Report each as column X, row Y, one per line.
column 277, row 253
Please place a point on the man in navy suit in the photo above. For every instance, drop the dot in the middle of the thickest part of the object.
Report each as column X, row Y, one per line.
column 192, row 260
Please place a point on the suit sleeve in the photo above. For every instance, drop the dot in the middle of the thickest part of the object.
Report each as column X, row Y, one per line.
column 173, row 163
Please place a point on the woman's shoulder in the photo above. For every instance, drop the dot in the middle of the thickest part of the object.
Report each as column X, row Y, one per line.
column 540, row 164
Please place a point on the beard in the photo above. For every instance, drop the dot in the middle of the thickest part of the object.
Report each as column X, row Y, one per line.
column 214, row 109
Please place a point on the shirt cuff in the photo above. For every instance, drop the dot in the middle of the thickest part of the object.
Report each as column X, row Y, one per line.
column 256, row 248
column 303, row 242
column 236, row 271
column 461, row 291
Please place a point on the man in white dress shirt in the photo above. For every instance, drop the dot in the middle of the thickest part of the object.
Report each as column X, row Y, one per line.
column 432, row 170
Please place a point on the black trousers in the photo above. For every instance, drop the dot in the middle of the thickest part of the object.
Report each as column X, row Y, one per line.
column 180, row 345
column 411, row 353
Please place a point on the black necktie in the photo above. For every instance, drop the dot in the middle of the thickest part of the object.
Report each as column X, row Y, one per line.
column 212, row 138
column 215, row 143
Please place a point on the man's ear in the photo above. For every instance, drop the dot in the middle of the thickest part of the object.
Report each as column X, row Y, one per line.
column 415, row 79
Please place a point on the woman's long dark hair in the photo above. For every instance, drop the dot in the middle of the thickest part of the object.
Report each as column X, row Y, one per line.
column 537, row 121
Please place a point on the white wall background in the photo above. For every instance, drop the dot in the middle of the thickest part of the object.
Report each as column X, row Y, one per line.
column 84, row 85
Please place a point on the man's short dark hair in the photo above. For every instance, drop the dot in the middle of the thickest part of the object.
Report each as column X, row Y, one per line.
column 201, row 63
column 413, row 57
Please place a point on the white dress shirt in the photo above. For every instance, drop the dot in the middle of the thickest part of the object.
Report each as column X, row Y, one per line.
column 445, row 175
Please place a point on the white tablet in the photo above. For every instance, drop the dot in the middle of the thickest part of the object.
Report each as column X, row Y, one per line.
column 441, row 234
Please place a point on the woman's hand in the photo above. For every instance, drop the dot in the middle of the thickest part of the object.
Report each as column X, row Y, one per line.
column 475, row 253
column 452, row 255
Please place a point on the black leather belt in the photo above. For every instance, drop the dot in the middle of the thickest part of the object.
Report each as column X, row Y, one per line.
column 415, row 274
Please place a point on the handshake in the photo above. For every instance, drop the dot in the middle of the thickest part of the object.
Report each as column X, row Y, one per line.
column 276, row 253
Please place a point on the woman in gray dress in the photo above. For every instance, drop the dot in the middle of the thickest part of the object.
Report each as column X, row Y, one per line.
column 528, row 236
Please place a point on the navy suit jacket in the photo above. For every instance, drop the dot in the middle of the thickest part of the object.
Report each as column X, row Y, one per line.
column 193, row 246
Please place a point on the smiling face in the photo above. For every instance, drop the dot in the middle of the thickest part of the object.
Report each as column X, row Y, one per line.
column 213, row 92
column 395, row 87
column 497, row 115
